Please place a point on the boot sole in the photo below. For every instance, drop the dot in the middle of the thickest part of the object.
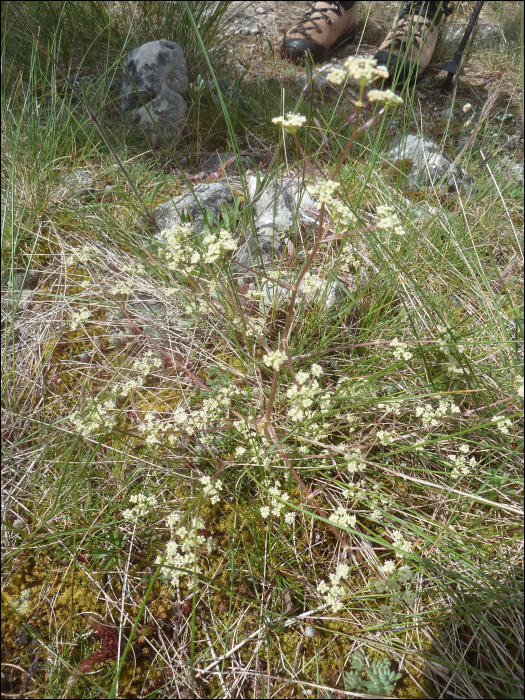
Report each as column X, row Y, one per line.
column 402, row 70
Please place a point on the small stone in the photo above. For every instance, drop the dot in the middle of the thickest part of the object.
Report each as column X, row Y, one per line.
column 486, row 32
column 78, row 182
column 447, row 113
column 309, row 631
column 22, row 638
column 26, row 279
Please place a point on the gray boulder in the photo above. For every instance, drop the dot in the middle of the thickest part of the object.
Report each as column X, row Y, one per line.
column 154, row 88
column 426, row 164
column 206, row 196
column 278, row 211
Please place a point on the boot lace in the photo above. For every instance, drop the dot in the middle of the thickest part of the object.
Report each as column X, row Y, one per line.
column 426, row 13
column 320, row 14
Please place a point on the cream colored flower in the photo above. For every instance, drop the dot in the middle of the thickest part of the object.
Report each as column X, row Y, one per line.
column 291, row 123
column 324, row 190
column 387, row 96
column 337, row 76
column 364, row 70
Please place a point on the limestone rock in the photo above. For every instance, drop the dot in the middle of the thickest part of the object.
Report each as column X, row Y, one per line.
column 206, row 196
column 77, row 183
column 325, row 296
column 155, row 83
column 426, row 164
column 277, row 211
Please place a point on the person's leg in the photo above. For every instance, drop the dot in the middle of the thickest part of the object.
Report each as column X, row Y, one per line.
column 325, row 27
column 408, row 47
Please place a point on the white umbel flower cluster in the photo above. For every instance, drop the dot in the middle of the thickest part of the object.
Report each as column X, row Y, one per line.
column 291, row 123
column 355, row 461
column 400, row 352
column 342, row 216
column 84, row 254
column 385, row 437
column 276, row 505
column 433, row 416
column 388, row 567
column 302, row 396
column 177, row 255
column 389, row 98
column 181, row 254
column 324, row 191
column 180, row 550
column 401, row 544
column 388, row 220
column 123, row 287
column 363, row 70
column 503, row 424
column 143, row 506
column 216, row 246
column 146, row 363
column 275, row 360
column 79, row 317
column 211, row 489
column 462, row 465
column 152, row 428
column 95, row 418
column 333, row 592
column 342, row 517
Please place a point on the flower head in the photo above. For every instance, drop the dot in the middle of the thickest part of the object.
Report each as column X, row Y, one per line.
column 79, row 317
column 389, row 220
column 216, row 245
column 324, row 190
column 211, row 489
column 400, row 352
column 337, row 76
column 143, row 505
column 275, row 360
column 341, row 215
column 291, row 123
column 388, row 567
column 364, row 70
column 502, row 423
column 389, row 98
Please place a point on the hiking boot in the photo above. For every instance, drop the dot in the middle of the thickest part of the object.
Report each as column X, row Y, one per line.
column 409, row 45
column 325, row 27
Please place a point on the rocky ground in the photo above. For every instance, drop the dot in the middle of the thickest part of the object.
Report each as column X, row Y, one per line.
column 257, row 30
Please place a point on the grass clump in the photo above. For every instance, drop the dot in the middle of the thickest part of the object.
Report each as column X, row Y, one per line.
column 217, row 491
